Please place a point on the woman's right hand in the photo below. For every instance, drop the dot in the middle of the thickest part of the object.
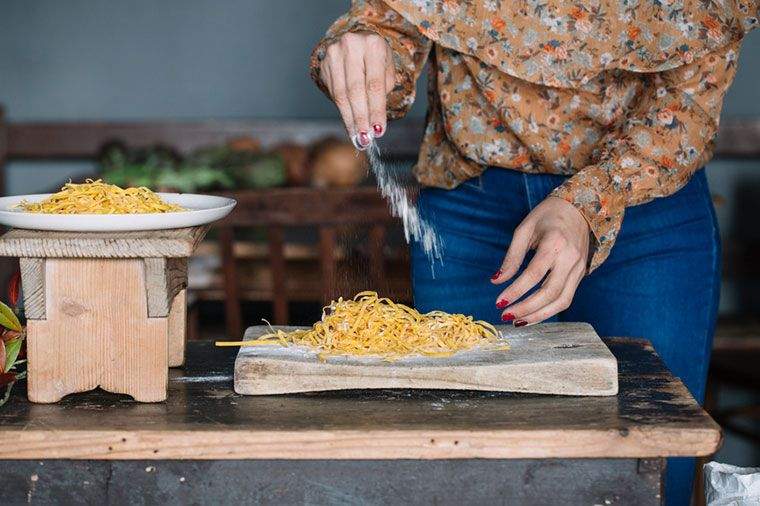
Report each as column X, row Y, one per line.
column 358, row 72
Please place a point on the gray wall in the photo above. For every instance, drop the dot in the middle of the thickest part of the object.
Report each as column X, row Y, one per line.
column 91, row 59
column 168, row 58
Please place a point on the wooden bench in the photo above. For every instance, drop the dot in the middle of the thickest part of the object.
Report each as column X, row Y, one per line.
column 327, row 211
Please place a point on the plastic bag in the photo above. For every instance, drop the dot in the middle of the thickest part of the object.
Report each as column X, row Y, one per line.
column 727, row 485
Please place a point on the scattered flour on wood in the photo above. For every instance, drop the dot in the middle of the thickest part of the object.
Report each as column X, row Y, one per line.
column 415, row 226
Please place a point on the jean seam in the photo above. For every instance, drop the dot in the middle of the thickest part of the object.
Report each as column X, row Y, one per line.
column 714, row 286
column 527, row 191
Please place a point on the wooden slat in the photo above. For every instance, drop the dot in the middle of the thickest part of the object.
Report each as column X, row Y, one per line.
column 164, row 279
column 376, row 242
column 30, row 140
column 327, row 262
column 177, row 326
column 3, row 149
column 233, row 316
column 143, row 244
column 308, row 206
column 277, row 265
column 33, row 286
column 737, row 137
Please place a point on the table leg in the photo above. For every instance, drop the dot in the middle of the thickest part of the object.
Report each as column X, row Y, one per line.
column 178, row 329
column 96, row 332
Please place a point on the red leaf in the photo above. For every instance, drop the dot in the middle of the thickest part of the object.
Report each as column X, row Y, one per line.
column 8, row 334
column 6, row 378
column 2, row 356
column 13, row 288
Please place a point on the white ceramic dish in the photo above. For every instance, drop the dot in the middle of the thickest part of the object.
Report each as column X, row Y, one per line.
column 201, row 209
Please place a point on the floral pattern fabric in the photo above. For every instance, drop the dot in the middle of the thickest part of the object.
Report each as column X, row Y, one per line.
column 622, row 95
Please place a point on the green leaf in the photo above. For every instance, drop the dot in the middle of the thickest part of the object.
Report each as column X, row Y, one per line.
column 12, row 349
column 7, row 395
column 8, row 318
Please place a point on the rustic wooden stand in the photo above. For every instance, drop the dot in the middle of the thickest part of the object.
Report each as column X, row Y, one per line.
column 103, row 310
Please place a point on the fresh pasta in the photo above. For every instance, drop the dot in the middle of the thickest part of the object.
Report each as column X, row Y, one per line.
column 377, row 326
column 97, row 197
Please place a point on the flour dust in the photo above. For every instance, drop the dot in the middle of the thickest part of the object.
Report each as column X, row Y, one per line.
column 403, row 207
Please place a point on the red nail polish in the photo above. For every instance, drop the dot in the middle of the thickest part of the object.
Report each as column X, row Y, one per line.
column 363, row 138
column 520, row 323
column 378, row 129
column 507, row 317
column 502, row 303
column 496, row 275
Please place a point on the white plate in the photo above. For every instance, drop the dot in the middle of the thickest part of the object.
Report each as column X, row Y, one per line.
column 201, row 209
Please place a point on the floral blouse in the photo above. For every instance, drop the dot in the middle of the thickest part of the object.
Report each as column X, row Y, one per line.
column 624, row 96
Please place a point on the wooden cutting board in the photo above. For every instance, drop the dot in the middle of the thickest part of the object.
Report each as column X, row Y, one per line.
column 551, row 358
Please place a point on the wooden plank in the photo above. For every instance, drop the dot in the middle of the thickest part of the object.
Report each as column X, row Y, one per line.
column 737, row 137
column 327, row 262
column 308, row 206
column 82, row 139
column 164, row 279
column 553, row 358
column 376, row 244
column 275, row 236
column 3, row 149
column 33, row 287
column 232, row 311
column 88, row 342
column 653, row 415
column 157, row 243
column 177, row 326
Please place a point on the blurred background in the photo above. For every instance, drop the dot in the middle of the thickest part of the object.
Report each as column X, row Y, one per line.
column 203, row 95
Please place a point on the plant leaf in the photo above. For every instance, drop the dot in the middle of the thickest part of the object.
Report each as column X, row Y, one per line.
column 12, row 349
column 8, row 318
column 7, row 395
column 2, row 356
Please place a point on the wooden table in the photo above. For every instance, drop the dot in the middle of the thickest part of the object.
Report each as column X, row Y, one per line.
column 386, row 447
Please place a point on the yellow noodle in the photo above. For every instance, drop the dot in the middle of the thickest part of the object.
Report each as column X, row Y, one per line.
column 97, row 197
column 370, row 325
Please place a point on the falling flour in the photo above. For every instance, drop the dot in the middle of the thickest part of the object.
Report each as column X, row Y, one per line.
column 401, row 205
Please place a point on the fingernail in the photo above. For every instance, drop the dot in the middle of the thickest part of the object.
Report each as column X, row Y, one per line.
column 357, row 144
column 508, row 317
column 364, row 139
column 496, row 275
column 502, row 303
column 378, row 129
column 520, row 323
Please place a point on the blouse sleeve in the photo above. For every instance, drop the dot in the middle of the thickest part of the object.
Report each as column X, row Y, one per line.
column 664, row 140
column 410, row 49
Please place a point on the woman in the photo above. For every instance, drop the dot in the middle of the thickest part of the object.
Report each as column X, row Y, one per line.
column 557, row 130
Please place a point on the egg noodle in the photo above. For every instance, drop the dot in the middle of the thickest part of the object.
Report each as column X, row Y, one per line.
column 373, row 325
column 97, row 197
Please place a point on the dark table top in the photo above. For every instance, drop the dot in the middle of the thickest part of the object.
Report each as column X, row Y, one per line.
column 652, row 416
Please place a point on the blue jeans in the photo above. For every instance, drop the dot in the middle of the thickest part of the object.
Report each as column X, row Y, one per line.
column 661, row 280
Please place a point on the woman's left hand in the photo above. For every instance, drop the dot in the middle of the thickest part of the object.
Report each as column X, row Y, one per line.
column 560, row 235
